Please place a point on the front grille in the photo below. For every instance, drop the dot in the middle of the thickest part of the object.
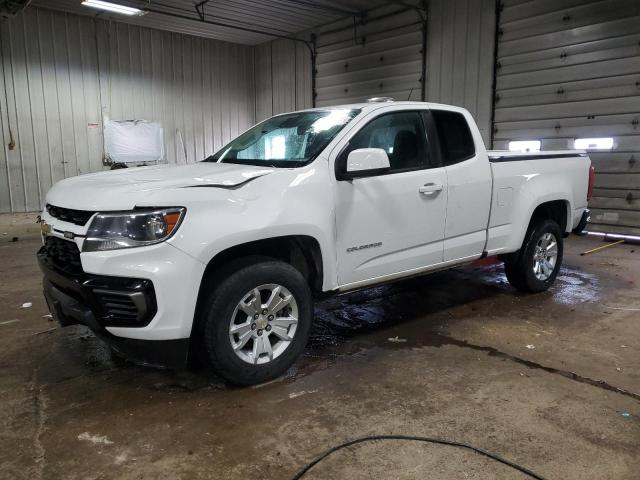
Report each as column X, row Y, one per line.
column 78, row 217
column 113, row 301
column 63, row 254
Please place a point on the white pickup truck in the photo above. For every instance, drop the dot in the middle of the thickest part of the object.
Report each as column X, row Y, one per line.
column 224, row 257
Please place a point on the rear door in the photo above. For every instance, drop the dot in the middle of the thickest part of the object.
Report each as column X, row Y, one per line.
column 393, row 221
column 469, row 185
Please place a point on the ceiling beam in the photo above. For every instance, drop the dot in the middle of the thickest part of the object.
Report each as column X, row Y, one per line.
column 227, row 25
column 327, row 8
column 10, row 8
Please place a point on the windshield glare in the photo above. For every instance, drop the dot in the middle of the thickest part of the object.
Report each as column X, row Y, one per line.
column 289, row 140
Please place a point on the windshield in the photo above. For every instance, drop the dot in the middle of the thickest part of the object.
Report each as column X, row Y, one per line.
column 289, row 140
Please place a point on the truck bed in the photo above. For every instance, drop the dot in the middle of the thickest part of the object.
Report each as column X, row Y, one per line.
column 508, row 156
column 521, row 181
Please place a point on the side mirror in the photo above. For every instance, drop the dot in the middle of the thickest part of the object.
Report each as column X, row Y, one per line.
column 365, row 162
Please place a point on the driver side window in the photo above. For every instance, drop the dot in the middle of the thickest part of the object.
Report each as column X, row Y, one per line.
column 401, row 135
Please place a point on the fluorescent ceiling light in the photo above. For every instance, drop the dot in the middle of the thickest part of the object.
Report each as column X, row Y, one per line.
column 113, row 7
column 605, row 143
column 524, row 146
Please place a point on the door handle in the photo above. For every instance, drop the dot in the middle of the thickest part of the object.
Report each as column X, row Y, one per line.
column 430, row 189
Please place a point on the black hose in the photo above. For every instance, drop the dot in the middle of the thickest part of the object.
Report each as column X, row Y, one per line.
column 440, row 441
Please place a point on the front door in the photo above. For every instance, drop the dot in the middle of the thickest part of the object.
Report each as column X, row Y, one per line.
column 394, row 221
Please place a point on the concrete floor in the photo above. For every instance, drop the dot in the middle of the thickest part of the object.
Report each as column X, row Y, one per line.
column 467, row 365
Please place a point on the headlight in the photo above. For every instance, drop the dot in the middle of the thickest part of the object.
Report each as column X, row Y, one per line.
column 137, row 228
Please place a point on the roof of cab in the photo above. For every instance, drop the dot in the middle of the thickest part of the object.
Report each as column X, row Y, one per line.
column 365, row 106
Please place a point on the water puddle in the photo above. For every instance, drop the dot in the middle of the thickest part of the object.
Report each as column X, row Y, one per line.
column 572, row 286
column 348, row 325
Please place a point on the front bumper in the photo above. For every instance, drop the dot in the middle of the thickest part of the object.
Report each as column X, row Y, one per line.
column 79, row 298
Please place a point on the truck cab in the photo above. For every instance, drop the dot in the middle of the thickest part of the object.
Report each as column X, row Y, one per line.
column 429, row 209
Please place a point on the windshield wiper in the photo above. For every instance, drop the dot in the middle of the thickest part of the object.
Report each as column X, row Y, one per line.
column 254, row 163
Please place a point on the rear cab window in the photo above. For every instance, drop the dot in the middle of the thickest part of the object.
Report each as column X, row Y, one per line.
column 454, row 135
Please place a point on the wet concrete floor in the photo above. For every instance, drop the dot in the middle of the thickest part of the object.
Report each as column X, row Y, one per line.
column 550, row 381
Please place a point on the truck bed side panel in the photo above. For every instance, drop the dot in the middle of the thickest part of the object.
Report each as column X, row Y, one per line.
column 521, row 185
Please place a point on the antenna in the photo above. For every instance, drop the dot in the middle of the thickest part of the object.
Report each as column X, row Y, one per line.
column 410, row 92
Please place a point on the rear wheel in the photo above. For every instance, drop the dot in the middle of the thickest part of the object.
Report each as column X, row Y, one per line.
column 257, row 322
column 535, row 266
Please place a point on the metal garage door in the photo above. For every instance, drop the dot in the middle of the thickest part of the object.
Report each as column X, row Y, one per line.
column 570, row 69
column 380, row 55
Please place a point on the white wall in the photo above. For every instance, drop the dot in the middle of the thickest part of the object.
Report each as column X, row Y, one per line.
column 282, row 77
column 60, row 70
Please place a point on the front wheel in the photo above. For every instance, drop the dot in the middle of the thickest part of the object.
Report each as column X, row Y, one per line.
column 257, row 322
column 535, row 266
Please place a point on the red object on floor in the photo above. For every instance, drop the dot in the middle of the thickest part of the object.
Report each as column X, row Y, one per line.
column 485, row 262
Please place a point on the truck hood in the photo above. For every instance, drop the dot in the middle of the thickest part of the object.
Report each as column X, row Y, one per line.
column 125, row 188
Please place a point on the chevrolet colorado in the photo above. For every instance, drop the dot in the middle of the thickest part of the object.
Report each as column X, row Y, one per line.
column 225, row 256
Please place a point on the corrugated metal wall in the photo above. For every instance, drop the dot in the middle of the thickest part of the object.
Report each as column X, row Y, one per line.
column 460, row 46
column 567, row 69
column 571, row 69
column 383, row 57
column 378, row 57
column 282, row 77
column 59, row 68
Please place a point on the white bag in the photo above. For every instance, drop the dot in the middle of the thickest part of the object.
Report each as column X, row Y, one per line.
column 132, row 141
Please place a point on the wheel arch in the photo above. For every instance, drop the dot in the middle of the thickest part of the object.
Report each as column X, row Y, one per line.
column 524, row 266
column 556, row 210
column 302, row 252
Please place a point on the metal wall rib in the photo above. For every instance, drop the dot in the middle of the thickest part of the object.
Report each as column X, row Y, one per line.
column 460, row 47
column 571, row 69
column 282, row 78
column 59, row 69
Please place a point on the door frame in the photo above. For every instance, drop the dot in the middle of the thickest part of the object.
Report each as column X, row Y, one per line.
column 433, row 147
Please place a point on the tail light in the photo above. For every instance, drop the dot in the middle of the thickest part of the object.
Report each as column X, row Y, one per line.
column 592, row 180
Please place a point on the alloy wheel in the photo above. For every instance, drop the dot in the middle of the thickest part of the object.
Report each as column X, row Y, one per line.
column 545, row 256
column 263, row 324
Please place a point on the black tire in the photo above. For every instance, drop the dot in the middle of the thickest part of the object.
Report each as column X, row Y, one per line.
column 519, row 266
column 218, row 308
